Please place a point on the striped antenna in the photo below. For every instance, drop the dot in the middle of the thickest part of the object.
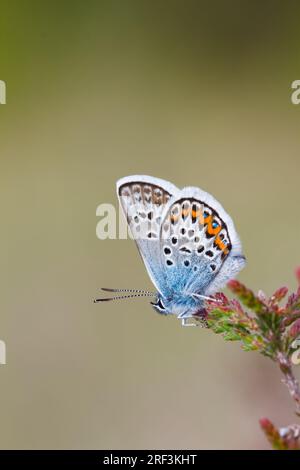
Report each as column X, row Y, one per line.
column 133, row 293
column 137, row 291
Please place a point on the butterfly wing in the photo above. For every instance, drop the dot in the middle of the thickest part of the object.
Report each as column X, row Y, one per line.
column 144, row 200
column 200, row 248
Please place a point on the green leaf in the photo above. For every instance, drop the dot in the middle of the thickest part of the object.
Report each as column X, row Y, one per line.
column 247, row 297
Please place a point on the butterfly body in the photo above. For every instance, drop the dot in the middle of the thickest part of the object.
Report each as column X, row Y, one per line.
column 186, row 239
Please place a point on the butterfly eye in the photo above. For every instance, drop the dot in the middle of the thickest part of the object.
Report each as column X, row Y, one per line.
column 159, row 305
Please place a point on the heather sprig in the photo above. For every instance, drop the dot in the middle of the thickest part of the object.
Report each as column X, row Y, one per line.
column 269, row 325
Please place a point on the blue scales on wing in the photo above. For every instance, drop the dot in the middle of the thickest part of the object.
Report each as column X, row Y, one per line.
column 194, row 245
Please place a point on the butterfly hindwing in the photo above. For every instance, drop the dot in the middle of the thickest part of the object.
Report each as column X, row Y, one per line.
column 198, row 243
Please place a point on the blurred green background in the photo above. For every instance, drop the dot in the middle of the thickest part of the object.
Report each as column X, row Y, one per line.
column 194, row 92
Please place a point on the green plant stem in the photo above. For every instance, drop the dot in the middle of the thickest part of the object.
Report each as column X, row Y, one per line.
column 289, row 379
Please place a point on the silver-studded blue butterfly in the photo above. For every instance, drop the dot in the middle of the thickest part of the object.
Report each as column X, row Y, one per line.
column 187, row 241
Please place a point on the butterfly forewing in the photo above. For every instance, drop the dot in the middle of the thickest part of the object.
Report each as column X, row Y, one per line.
column 144, row 202
column 143, row 205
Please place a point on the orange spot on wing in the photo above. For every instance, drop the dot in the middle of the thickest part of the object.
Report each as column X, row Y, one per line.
column 201, row 218
column 221, row 245
column 211, row 230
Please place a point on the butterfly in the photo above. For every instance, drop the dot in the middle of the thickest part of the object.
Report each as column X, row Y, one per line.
column 187, row 241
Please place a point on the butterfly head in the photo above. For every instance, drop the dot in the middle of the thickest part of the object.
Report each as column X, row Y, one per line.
column 161, row 305
column 179, row 305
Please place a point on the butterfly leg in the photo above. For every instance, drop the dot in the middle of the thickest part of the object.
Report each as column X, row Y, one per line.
column 185, row 322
